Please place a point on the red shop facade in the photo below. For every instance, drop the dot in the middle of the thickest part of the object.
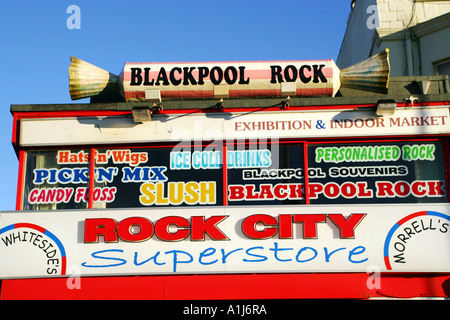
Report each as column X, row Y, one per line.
column 258, row 198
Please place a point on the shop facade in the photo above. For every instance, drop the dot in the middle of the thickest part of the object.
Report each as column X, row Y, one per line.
column 247, row 198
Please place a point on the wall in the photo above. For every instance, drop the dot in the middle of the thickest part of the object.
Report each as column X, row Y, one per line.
column 413, row 30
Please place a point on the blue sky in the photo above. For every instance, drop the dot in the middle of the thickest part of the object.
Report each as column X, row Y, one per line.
column 36, row 44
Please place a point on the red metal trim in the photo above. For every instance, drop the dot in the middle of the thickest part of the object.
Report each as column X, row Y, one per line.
column 234, row 286
column 86, row 113
column 15, row 130
column 91, row 178
column 445, row 142
column 21, row 180
column 305, row 170
column 225, row 174
column 17, row 116
column 372, row 139
column 69, row 113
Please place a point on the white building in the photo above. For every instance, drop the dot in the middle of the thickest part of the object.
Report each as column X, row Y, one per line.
column 417, row 32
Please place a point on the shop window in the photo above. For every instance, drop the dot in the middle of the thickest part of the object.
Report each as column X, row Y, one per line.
column 257, row 173
column 56, row 179
column 158, row 177
column 443, row 68
column 377, row 172
column 266, row 174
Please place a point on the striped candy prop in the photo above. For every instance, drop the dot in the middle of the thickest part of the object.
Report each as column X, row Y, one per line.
column 179, row 80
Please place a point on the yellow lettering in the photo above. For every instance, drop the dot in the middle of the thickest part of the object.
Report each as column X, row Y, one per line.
column 147, row 197
column 176, row 192
column 191, row 189
column 207, row 192
column 160, row 194
column 190, row 193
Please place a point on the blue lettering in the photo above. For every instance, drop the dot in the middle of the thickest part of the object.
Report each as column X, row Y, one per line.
column 139, row 174
column 64, row 175
column 225, row 255
column 206, row 253
column 107, row 258
column 180, row 160
column 79, row 175
column 276, row 249
column 98, row 256
column 262, row 258
column 52, row 178
column 132, row 175
column 107, row 174
column 158, row 173
column 40, row 175
column 136, row 263
column 328, row 255
column 304, row 249
column 356, row 251
column 175, row 258
column 267, row 158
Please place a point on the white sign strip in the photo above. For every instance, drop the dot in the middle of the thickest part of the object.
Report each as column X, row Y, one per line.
column 198, row 240
column 342, row 124
column 224, row 126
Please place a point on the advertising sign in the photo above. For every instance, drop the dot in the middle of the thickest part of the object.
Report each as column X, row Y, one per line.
column 270, row 173
column 140, row 81
column 196, row 240
column 370, row 172
column 232, row 126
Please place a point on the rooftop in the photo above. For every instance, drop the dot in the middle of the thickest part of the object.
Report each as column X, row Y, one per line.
column 400, row 89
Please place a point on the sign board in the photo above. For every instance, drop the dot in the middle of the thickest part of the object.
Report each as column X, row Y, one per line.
column 199, row 80
column 232, row 126
column 277, row 239
column 152, row 82
column 264, row 174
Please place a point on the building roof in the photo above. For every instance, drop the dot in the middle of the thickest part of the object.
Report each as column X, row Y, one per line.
column 400, row 89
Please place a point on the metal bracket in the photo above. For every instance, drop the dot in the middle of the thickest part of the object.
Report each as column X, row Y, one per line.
column 157, row 107
column 220, row 105
column 285, row 103
column 411, row 100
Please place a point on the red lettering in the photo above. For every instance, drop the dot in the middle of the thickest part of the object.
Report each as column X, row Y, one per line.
column 163, row 226
column 309, row 224
column 236, row 192
column 32, row 196
column 331, row 190
column 63, row 157
column 285, row 222
column 127, row 228
column 250, row 195
column 199, row 227
column 363, row 192
column 435, row 188
column 280, row 191
column 93, row 228
column 250, row 229
column 346, row 226
column 419, row 188
column 295, row 191
column 136, row 229
column 348, row 190
column 314, row 189
column 402, row 189
column 384, row 189
column 266, row 192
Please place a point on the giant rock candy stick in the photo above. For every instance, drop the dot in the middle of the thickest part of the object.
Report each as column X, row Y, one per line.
column 183, row 80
